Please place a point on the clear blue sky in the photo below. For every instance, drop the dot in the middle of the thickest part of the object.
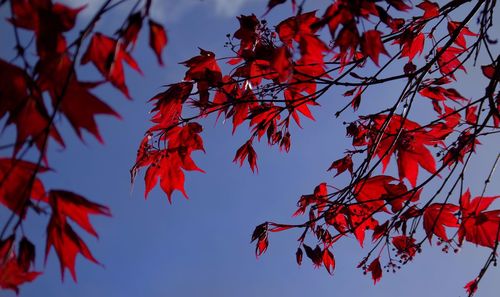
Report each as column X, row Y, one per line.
column 200, row 246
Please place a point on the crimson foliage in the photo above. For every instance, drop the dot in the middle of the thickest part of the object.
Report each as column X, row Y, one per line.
column 278, row 76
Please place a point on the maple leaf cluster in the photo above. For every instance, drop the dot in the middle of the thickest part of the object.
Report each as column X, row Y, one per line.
column 277, row 76
column 25, row 85
column 273, row 81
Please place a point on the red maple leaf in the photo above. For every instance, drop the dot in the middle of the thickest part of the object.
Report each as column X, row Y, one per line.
column 460, row 40
column 168, row 164
column 328, row 261
column 66, row 243
column 77, row 208
column 72, row 97
column 410, row 146
column 130, row 33
column 342, row 165
column 431, row 9
column 13, row 275
column 24, row 104
column 405, row 246
column 371, row 191
column 157, row 39
column 448, row 62
column 375, row 269
column 360, row 220
column 372, row 46
column 107, row 55
column 437, row 216
column 246, row 151
column 412, row 44
column 471, row 287
column 478, row 225
column 17, row 180
column 168, row 105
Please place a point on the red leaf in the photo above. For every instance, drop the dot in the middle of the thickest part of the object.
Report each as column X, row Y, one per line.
column 295, row 27
column 371, row 191
column 360, row 218
column 471, row 287
column 272, row 3
column 437, row 216
column 17, row 187
column 489, row 71
column 66, row 243
column 375, row 269
column 431, row 9
column 411, row 146
column 399, row 4
column 203, row 67
column 6, row 247
column 448, row 62
column 78, row 104
column 342, row 165
column 204, row 70
column 167, row 164
column 411, row 44
column 246, row 151
column 13, row 275
column 328, row 261
column 157, row 39
column 77, row 208
column 80, row 107
column 479, row 226
column 372, row 46
column 107, row 55
column 405, row 246
column 25, row 107
column 168, row 105
column 460, row 40
column 281, row 62
column 131, row 31
column 260, row 234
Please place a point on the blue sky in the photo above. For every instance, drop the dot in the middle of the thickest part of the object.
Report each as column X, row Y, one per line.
column 200, row 246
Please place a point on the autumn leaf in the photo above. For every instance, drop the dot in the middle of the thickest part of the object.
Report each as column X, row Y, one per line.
column 131, row 32
column 405, row 246
column 168, row 105
column 477, row 225
column 372, row 46
column 157, row 39
column 328, row 261
column 246, row 151
column 375, row 269
column 19, row 184
column 66, row 243
column 77, row 208
column 107, row 55
column 342, row 165
column 260, row 234
column 471, row 287
column 431, row 9
column 25, row 107
column 411, row 147
column 12, row 275
column 460, row 40
column 437, row 216
column 168, row 164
